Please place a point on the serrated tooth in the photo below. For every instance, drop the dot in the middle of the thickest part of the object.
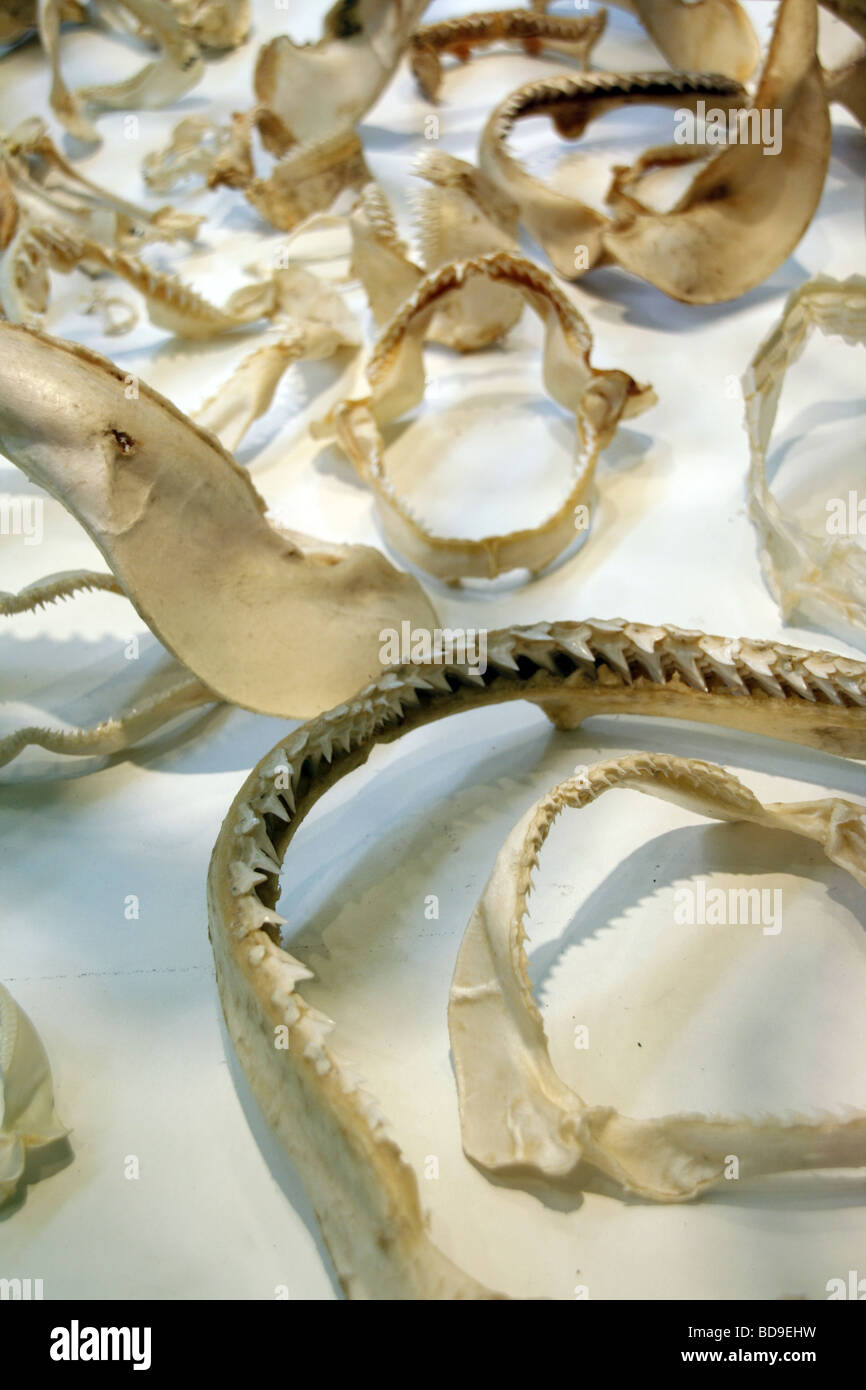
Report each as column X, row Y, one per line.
column 501, row 657
column 270, row 804
column 247, row 819
column 576, row 645
column 436, row 677
column 823, row 673
column 852, row 689
column 797, row 683
column 685, row 662
column 722, row 656
column 296, row 744
column 467, row 674
column 612, row 651
column 243, row 878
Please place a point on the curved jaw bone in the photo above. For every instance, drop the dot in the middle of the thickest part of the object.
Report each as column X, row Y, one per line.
column 364, row 1192
column 273, row 621
column 745, row 210
column 804, row 570
column 517, row 1116
column 597, row 399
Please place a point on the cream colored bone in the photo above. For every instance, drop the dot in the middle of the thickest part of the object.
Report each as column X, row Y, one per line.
column 363, row 1191
column 459, row 215
column 571, row 36
column 177, row 70
column 28, row 1119
column 45, row 189
column 315, row 89
column 744, row 211
column 518, row 1118
column 395, row 372
column 810, row 572
column 269, row 619
column 701, row 36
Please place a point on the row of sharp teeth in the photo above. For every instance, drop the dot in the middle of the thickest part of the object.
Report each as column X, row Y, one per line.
column 349, row 726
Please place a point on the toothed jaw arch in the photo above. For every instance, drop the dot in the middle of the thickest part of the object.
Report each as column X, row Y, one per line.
column 518, row 1118
column 363, row 1190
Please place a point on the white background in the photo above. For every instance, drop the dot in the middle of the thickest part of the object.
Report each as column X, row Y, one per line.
column 714, row 1019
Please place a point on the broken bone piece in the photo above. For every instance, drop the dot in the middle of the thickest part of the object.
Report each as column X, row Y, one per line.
column 518, row 1118
column 28, row 1119
column 318, row 325
column 816, row 574
column 572, row 36
column 395, row 372
column 266, row 618
column 360, row 1184
column 745, row 210
column 174, row 73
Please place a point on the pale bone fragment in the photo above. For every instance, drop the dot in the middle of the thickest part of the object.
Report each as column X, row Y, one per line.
column 518, row 1118
column 215, row 25
column 272, row 620
column 805, row 570
column 190, row 153
column 117, row 317
column 177, row 70
column 310, row 179
column 572, row 37
column 18, row 18
column 45, row 189
column 395, row 373
column 315, row 89
column 28, row 1119
column 744, row 211
column 319, row 325
column 459, row 215
column 171, row 305
column 362, row 1189
column 697, row 35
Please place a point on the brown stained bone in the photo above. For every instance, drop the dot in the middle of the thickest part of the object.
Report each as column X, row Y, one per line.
column 743, row 213
column 572, row 36
column 707, row 36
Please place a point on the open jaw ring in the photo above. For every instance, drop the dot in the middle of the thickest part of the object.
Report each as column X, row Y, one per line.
column 518, row 1117
column 363, row 1190
column 395, row 372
